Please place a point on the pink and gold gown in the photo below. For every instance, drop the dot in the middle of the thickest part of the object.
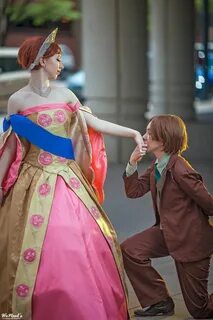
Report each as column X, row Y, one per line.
column 59, row 257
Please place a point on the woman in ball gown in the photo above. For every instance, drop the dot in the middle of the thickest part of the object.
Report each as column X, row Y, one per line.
column 59, row 256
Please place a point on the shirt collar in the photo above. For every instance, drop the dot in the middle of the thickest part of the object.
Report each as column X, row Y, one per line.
column 162, row 163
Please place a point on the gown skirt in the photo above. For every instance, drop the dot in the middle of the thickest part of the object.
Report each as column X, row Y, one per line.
column 77, row 277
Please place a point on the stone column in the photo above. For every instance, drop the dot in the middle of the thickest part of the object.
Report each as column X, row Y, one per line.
column 133, row 64
column 114, row 60
column 171, row 58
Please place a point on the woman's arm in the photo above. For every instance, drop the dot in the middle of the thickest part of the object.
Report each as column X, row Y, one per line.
column 113, row 129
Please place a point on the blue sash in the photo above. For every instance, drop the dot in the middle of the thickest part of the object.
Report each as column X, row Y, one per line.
column 40, row 137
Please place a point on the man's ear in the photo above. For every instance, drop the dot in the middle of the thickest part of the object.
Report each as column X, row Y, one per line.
column 162, row 145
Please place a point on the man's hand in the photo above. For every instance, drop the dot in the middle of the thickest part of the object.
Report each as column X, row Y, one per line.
column 137, row 155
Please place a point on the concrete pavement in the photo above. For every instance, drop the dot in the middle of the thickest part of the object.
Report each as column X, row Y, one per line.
column 134, row 215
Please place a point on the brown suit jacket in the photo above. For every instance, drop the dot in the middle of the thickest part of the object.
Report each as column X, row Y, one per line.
column 185, row 207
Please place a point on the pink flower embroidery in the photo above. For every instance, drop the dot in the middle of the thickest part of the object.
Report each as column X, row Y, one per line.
column 95, row 212
column 45, row 158
column 75, row 183
column 44, row 120
column 36, row 220
column 59, row 116
column 22, row 290
column 44, row 189
column 29, row 255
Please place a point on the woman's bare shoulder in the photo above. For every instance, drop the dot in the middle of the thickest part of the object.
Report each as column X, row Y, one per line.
column 16, row 100
column 69, row 95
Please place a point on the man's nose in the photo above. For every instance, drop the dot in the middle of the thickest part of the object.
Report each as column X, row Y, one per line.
column 144, row 136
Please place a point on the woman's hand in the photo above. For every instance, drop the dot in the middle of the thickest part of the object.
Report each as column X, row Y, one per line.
column 138, row 154
column 139, row 140
column 1, row 196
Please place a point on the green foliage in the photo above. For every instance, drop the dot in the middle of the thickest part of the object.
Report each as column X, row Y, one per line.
column 199, row 4
column 43, row 11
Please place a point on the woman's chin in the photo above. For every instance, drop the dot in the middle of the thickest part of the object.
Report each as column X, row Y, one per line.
column 53, row 77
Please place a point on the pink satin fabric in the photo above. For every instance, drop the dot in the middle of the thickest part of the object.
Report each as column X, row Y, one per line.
column 67, row 106
column 12, row 173
column 77, row 277
column 99, row 162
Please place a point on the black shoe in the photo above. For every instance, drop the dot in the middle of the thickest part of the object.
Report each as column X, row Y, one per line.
column 165, row 307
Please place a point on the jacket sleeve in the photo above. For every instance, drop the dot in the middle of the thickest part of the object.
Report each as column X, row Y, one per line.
column 192, row 184
column 135, row 186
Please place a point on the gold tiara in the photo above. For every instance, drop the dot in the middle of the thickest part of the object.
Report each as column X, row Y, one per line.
column 45, row 45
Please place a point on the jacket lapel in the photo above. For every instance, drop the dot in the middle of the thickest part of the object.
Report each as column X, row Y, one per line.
column 170, row 164
column 153, row 187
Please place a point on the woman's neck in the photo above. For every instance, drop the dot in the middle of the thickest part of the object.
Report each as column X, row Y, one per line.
column 39, row 79
column 39, row 83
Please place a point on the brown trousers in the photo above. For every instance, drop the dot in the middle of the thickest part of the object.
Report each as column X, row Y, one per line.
column 150, row 287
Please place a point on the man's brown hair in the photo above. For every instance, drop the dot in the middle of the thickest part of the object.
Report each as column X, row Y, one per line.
column 171, row 131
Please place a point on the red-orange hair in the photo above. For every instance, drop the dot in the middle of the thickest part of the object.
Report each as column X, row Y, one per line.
column 29, row 49
column 171, row 131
